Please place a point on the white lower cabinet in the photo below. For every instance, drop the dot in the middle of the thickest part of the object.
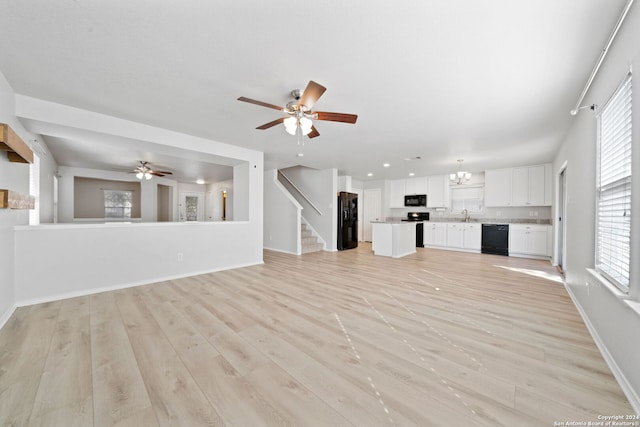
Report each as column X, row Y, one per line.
column 435, row 234
column 472, row 236
column 525, row 240
column 529, row 239
column 455, row 235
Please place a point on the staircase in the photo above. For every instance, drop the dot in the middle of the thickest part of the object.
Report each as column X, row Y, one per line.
column 310, row 242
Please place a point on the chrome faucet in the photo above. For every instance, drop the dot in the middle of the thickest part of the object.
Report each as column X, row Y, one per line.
column 466, row 215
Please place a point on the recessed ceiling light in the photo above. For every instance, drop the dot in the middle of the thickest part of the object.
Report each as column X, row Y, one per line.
column 200, row 181
column 411, row 174
column 300, row 155
column 369, row 174
column 386, row 165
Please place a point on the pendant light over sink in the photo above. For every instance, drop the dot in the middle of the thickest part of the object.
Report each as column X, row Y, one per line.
column 460, row 177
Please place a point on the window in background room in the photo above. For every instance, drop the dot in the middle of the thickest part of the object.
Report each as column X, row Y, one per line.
column 118, row 203
column 613, row 210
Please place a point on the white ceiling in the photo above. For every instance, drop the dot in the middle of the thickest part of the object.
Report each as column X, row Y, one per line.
column 490, row 82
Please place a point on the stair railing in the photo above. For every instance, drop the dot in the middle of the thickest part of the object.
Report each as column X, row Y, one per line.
column 304, row 196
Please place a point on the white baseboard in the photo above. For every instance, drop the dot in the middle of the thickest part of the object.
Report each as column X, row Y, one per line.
column 7, row 315
column 92, row 291
column 627, row 389
column 280, row 250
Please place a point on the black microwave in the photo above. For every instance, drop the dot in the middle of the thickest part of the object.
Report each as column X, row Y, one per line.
column 415, row 200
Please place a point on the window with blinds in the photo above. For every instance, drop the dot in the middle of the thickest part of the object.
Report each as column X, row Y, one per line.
column 469, row 198
column 613, row 211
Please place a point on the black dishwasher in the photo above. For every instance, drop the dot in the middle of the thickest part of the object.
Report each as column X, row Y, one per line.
column 495, row 239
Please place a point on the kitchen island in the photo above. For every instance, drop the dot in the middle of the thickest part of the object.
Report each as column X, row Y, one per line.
column 393, row 238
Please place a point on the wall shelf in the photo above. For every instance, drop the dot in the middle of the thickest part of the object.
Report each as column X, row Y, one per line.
column 17, row 150
column 12, row 200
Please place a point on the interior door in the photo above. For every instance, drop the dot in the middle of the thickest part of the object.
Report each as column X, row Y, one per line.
column 191, row 206
column 372, row 210
column 561, row 207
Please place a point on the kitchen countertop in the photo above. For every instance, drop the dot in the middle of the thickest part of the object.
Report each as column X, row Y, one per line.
column 477, row 220
column 393, row 221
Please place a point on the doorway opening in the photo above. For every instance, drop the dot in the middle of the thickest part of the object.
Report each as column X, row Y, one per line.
column 561, row 209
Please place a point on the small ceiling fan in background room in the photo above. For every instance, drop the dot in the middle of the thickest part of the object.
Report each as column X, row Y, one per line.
column 300, row 115
column 146, row 172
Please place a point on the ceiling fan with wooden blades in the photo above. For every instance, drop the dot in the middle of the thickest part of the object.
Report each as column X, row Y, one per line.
column 300, row 114
column 145, row 171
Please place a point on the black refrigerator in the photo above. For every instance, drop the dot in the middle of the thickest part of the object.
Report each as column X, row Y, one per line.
column 347, row 220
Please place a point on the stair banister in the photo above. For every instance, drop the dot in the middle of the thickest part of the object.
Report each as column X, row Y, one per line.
column 304, row 196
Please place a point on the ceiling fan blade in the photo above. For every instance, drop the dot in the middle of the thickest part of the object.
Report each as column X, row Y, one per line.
column 314, row 132
column 163, row 172
column 262, row 104
column 337, row 117
column 156, row 173
column 311, row 94
column 271, row 124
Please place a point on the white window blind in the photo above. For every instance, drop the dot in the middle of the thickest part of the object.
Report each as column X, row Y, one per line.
column 613, row 216
column 469, row 198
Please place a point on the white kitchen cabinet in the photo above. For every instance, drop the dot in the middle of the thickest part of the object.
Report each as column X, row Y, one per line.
column 497, row 187
column 435, row 234
column 472, row 236
column 416, row 185
column 438, row 191
column 396, row 193
column 521, row 186
column 529, row 240
column 455, row 235
column 529, row 185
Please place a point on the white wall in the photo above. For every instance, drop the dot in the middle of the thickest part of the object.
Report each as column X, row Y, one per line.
column 281, row 217
column 613, row 322
column 241, row 185
column 13, row 176
column 321, row 187
column 65, row 260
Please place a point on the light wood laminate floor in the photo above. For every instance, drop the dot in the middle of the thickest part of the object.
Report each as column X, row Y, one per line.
column 437, row 338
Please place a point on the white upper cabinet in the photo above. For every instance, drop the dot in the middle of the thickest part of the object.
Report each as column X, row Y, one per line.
column 497, row 187
column 521, row 186
column 438, row 191
column 530, row 185
column 416, row 185
column 396, row 193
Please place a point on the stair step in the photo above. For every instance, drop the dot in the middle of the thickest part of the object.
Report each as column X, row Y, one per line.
column 311, row 247
column 309, row 241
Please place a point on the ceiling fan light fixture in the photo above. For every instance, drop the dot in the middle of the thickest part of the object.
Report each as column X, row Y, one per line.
column 291, row 125
column 147, row 175
column 139, row 175
column 305, row 125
